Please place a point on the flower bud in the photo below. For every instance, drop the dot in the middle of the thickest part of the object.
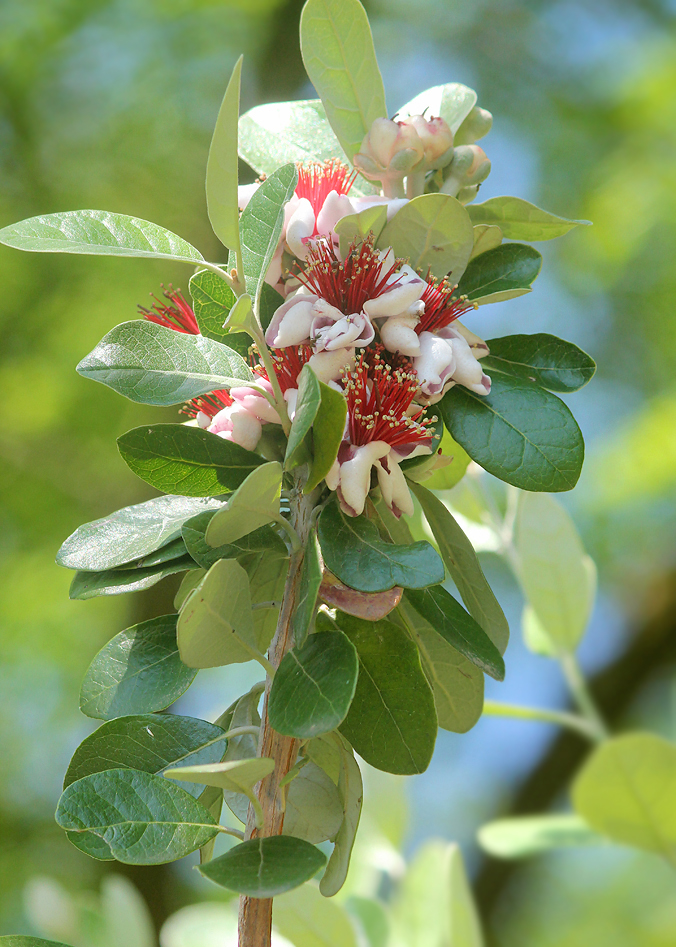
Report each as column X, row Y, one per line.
column 437, row 140
column 477, row 124
column 470, row 166
column 388, row 152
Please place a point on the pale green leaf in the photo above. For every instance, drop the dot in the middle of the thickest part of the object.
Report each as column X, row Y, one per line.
column 453, row 102
column 309, row 920
column 523, row 836
column 222, row 172
column 351, row 791
column 314, row 809
column 433, row 230
column 254, row 504
column 355, row 227
column 520, row 220
column 261, row 225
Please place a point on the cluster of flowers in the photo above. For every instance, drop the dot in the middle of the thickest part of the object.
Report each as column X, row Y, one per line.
column 368, row 325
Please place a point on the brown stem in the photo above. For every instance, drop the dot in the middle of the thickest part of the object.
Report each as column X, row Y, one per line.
column 255, row 914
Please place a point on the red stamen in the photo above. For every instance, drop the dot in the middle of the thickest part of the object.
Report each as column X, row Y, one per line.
column 347, row 285
column 317, row 180
column 209, row 404
column 440, row 307
column 378, row 400
column 177, row 314
column 289, row 363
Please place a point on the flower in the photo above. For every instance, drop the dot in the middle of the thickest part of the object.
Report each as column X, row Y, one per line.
column 389, row 151
column 176, row 314
column 446, row 359
column 469, row 167
column 322, row 201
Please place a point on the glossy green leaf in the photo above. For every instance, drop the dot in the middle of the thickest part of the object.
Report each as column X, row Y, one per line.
column 222, row 172
column 307, row 919
column 541, row 358
column 351, row 791
column 91, row 845
column 520, row 433
column 144, row 819
column 452, row 101
column 458, row 628
column 520, row 220
column 98, row 232
column 131, row 533
column 314, row 810
column 354, row 552
column 327, row 434
column 524, row 836
column 139, row 671
column 265, row 867
column 261, row 225
column 174, row 457
column 215, row 626
column 626, row 790
column 433, row 230
column 119, row 581
column 151, row 364
column 212, row 300
column 147, row 742
column 310, row 581
column 464, row 568
column 267, row 576
column 503, row 273
column 259, row 540
column 307, row 405
column 355, row 227
column 392, row 722
column 338, row 54
column 557, row 576
column 314, row 686
column 445, row 478
column 254, row 504
column 457, row 684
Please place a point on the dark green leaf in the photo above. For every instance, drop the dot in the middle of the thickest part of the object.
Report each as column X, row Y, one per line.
column 314, row 686
column 119, row 581
column 130, row 533
column 307, row 405
column 520, row 433
column 145, row 819
column 265, row 867
column 501, row 273
column 452, row 622
column 541, row 358
column 138, row 672
column 310, row 581
column 148, row 742
column 354, row 552
column 270, row 301
column 327, row 434
column 98, row 232
column 151, row 364
column 392, row 722
column 91, row 845
column 173, row 456
column 222, row 169
column 261, row 225
column 260, row 540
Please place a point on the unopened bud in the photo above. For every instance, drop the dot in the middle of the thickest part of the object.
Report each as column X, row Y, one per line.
column 470, row 166
column 388, row 152
column 477, row 124
column 437, row 140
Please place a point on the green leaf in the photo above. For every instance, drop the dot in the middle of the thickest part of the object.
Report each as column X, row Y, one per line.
column 351, row 792
column 267, row 576
column 200, row 464
column 452, row 101
column 24, row 940
column 151, row 364
column 265, row 867
column 541, row 358
column 314, row 686
column 524, row 836
column 261, row 225
column 307, row 919
column 392, row 722
column 232, row 776
column 520, row 220
column 339, row 58
column 485, row 238
column 91, row 845
column 626, row 789
column 87, row 585
column 464, row 568
column 268, row 304
column 447, row 477
column 519, row 433
column 354, row 552
column 502, row 273
column 557, row 576
column 310, row 582
column 433, row 230
column 259, row 540
column 277, row 133
column 254, row 504
column 457, row 684
column 222, row 172
column 355, row 227
column 139, row 671
column 372, row 920
column 327, row 434
column 148, row 742
column 314, row 810
column 131, row 533
column 98, row 232
column 212, row 300
column 456, row 626
column 215, row 626
column 144, row 819
column 307, row 406
column 242, row 713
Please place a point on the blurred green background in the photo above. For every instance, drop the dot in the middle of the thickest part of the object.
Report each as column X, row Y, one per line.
column 110, row 104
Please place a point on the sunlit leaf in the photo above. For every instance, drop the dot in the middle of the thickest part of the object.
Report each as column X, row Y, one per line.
column 222, row 174
column 520, row 220
column 452, row 101
column 523, row 836
column 261, row 225
column 254, row 504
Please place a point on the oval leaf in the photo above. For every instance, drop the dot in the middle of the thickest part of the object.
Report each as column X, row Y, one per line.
column 542, row 359
column 307, row 405
column 119, row 581
column 212, row 300
column 173, row 456
column 520, row 220
column 525, row 836
column 519, row 433
column 254, row 504
column 265, row 867
column 261, row 225
column 327, row 434
column 144, row 819
column 264, row 539
column 314, row 810
column 98, row 232
column 139, row 671
column 310, row 582
column 501, row 273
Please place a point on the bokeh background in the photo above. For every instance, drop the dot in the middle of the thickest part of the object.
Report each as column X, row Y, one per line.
column 110, row 104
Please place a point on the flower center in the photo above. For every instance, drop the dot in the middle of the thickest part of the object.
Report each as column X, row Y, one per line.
column 289, row 363
column 440, row 307
column 318, row 179
column 176, row 314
